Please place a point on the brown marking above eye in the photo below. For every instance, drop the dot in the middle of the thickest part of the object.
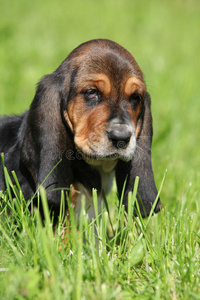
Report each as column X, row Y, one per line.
column 134, row 86
column 99, row 81
column 103, row 83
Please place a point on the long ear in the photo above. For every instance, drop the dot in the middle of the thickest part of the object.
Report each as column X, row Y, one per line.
column 46, row 140
column 140, row 166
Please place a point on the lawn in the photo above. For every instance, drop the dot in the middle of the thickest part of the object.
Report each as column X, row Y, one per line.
column 155, row 258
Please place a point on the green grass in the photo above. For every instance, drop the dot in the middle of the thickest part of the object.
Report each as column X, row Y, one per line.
column 144, row 259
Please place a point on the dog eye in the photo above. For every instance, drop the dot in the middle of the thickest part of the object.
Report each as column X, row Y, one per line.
column 135, row 98
column 92, row 94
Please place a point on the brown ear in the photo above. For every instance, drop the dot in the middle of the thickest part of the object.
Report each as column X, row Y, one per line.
column 46, row 139
column 140, row 166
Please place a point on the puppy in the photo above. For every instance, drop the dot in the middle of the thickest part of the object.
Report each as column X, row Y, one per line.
column 89, row 121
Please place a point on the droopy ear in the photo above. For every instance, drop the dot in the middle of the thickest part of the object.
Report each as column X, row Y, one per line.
column 46, row 139
column 140, row 166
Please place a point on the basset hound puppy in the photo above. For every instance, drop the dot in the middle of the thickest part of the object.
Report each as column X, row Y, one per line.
column 90, row 120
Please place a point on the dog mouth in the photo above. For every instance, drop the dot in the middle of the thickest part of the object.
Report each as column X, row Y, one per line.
column 113, row 156
column 95, row 157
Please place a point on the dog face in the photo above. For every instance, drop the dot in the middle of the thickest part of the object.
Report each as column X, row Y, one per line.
column 105, row 101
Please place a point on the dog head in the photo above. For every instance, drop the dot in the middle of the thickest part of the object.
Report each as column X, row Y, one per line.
column 104, row 101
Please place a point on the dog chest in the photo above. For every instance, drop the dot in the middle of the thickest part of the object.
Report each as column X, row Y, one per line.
column 79, row 190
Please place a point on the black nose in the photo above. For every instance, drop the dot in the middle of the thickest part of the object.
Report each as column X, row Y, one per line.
column 119, row 138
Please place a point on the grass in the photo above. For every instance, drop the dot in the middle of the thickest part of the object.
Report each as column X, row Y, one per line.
column 156, row 258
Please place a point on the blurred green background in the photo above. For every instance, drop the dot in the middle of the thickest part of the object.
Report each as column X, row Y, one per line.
column 164, row 38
